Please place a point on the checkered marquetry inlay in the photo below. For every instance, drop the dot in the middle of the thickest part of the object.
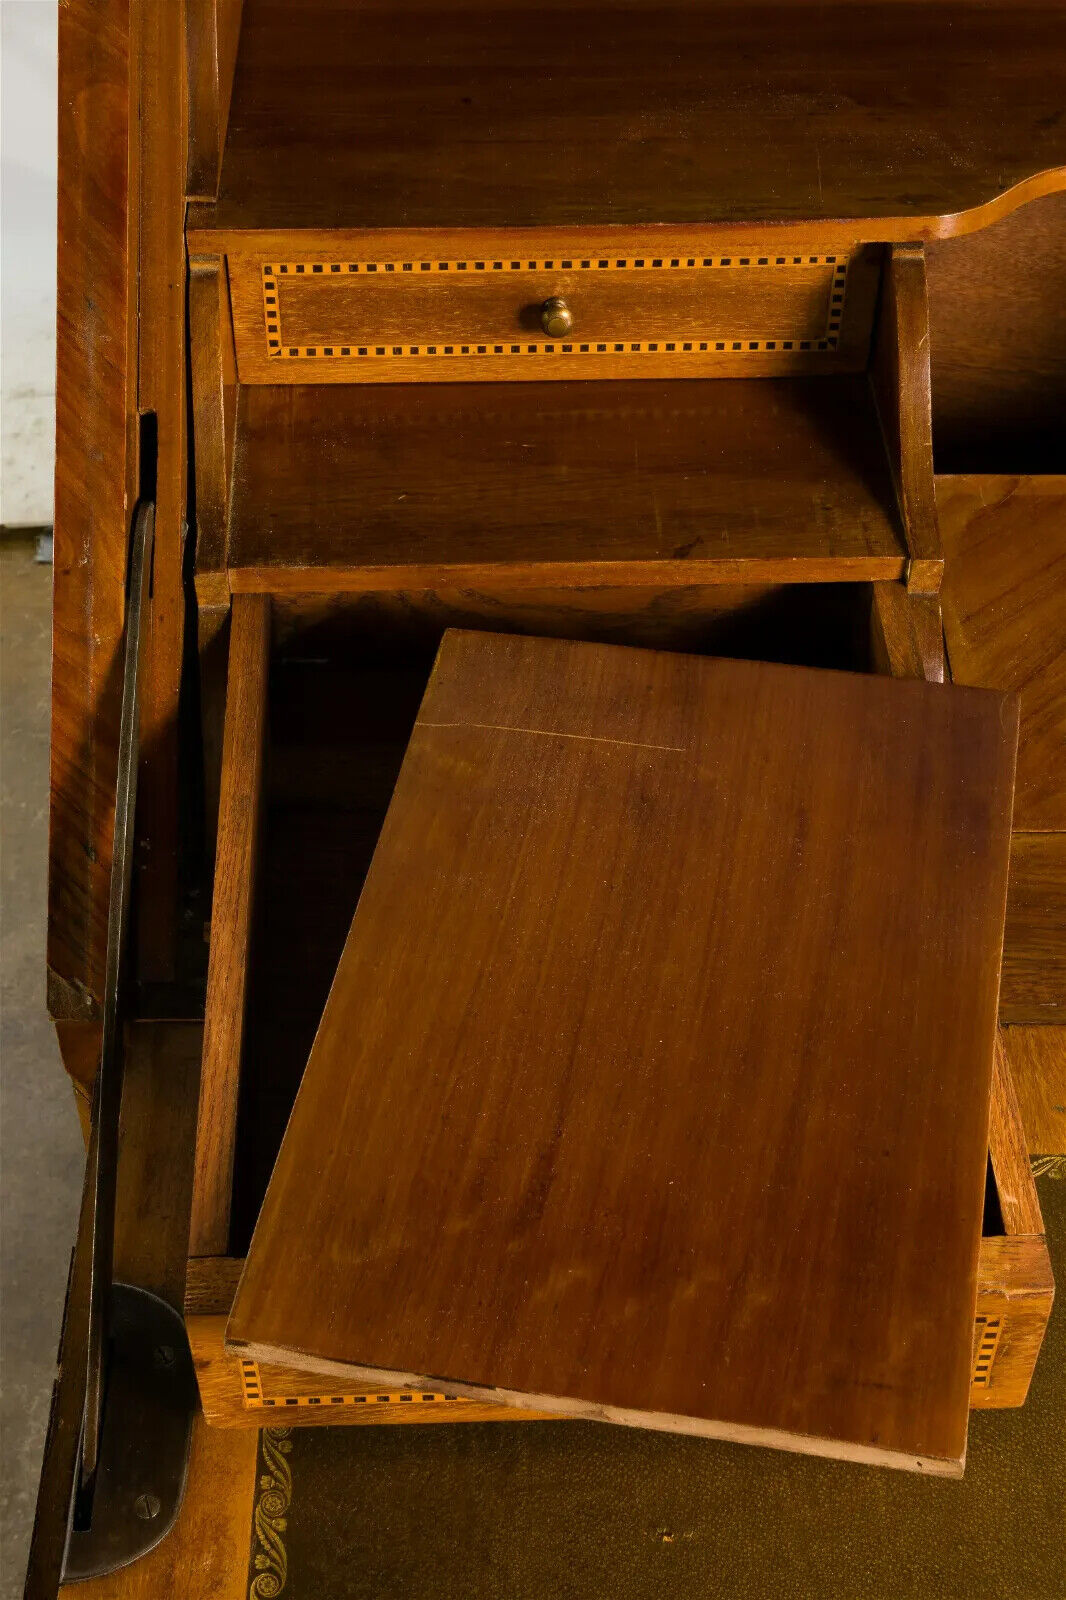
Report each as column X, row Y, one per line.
column 255, row 1396
column 282, row 343
column 986, row 1343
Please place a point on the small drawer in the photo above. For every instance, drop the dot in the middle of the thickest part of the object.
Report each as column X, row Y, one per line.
column 744, row 313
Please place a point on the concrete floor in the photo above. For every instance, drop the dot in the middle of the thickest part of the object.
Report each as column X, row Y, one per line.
column 41, row 1150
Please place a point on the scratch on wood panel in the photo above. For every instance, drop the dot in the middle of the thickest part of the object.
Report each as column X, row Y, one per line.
column 552, row 733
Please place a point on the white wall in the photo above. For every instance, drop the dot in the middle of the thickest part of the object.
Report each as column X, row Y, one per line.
column 27, row 260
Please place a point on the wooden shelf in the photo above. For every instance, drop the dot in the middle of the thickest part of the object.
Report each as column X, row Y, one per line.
column 402, row 487
column 539, row 113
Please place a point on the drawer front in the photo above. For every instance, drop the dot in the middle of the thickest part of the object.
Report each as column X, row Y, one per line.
column 738, row 314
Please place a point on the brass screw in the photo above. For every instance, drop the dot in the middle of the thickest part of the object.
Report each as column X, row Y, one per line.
column 556, row 318
column 147, row 1507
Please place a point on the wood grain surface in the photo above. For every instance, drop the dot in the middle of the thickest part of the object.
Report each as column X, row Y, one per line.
column 213, row 387
column 997, row 317
column 1037, row 1061
column 95, row 486
column 233, row 894
column 162, row 396
column 349, row 673
column 212, row 32
column 256, row 1394
column 667, row 309
column 769, row 480
column 899, row 373
column 1013, row 1280
column 1017, row 1290
column 484, row 114
column 1005, row 617
column 1018, row 1202
column 809, row 625
column 1034, row 948
column 634, row 1001
column 906, row 633
column 213, row 391
column 121, row 270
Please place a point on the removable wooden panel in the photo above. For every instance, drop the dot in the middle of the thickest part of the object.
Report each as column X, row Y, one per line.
column 553, row 1120
column 635, row 313
column 348, row 674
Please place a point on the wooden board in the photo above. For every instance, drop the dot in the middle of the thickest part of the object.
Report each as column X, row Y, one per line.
column 1015, row 1189
column 1034, row 950
column 348, row 675
column 1037, row 1061
column 120, row 432
column 906, row 633
column 769, row 480
column 603, row 1048
column 162, row 399
column 212, row 31
column 95, row 485
column 997, row 313
column 232, row 903
column 541, row 112
column 899, row 374
column 1004, row 605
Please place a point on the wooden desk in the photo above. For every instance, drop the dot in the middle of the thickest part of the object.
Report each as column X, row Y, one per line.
column 814, row 129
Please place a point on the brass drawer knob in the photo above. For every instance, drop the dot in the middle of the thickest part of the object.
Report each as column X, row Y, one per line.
column 556, row 318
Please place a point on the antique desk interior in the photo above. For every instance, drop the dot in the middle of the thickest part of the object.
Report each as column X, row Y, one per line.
column 737, row 330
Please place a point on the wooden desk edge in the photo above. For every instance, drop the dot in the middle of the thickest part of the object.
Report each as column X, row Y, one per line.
column 203, row 236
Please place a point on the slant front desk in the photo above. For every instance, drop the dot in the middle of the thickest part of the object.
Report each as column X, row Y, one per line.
column 726, row 330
